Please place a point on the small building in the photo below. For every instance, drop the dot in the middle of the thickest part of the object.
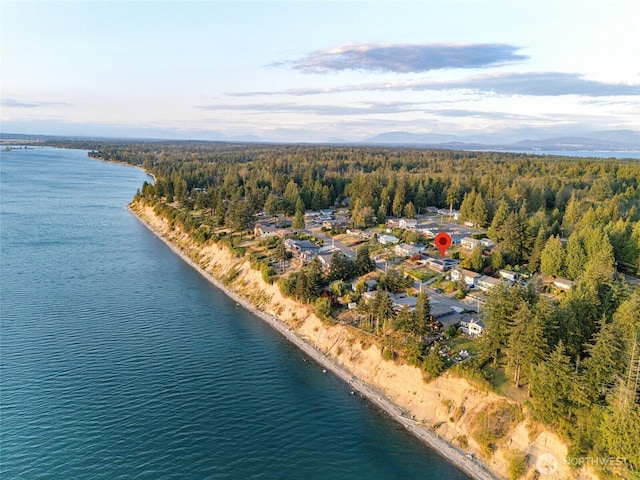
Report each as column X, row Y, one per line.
column 469, row 243
column 487, row 243
column 406, row 250
column 407, row 223
column 563, row 284
column 388, row 240
column 471, row 326
column 467, row 276
column 508, row 275
column 486, row 283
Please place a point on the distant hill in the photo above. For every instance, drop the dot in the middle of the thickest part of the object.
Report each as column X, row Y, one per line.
column 407, row 138
column 604, row 140
column 623, row 140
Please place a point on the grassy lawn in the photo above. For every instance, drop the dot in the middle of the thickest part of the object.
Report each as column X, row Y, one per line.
column 503, row 382
column 461, row 343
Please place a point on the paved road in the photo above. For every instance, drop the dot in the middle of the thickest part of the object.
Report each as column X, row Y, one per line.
column 331, row 241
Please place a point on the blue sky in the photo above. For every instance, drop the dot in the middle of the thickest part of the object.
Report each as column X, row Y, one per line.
column 318, row 71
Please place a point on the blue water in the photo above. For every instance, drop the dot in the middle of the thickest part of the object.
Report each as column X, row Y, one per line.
column 118, row 361
column 629, row 155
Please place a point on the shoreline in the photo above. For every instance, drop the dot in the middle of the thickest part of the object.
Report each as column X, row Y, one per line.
column 460, row 459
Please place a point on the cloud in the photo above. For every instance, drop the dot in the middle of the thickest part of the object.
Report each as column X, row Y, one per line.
column 405, row 58
column 13, row 103
column 510, row 83
column 362, row 109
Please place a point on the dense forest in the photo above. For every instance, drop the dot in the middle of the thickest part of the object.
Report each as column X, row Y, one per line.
column 578, row 356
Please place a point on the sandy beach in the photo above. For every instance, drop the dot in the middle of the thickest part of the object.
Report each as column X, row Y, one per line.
column 467, row 463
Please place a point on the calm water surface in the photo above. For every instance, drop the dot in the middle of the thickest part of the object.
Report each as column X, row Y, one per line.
column 117, row 360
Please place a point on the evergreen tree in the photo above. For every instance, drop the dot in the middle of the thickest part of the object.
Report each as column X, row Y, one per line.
column 496, row 261
column 497, row 313
column 409, row 210
column 479, row 211
column 364, row 263
column 433, row 363
column 398, row 201
column 466, row 207
column 538, row 246
column 572, row 215
column 552, row 258
column 605, row 362
column 298, row 220
column 576, row 256
column 526, row 343
column 341, row 267
column 515, row 243
column 499, row 219
column 421, row 315
column 551, row 389
column 476, row 260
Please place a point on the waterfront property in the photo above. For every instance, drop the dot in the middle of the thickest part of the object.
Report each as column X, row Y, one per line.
column 471, row 326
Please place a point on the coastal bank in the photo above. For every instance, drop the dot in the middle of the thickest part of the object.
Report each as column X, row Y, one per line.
column 441, row 413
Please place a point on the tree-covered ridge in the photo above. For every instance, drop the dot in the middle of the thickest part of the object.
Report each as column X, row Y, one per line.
column 577, row 357
column 522, row 199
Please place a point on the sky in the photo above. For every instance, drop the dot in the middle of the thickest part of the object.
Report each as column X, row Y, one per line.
column 317, row 71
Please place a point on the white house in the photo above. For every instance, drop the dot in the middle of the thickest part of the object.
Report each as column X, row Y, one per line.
column 563, row 284
column 406, row 250
column 485, row 283
column 487, row 243
column 508, row 275
column 407, row 223
column 472, row 326
column 388, row 240
column 469, row 243
column 467, row 276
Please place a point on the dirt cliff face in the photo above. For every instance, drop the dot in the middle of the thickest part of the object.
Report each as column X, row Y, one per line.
column 450, row 406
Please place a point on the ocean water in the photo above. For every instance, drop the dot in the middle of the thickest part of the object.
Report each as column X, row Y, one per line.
column 118, row 361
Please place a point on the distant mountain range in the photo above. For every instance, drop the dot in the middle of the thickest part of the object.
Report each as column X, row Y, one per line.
column 608, row 140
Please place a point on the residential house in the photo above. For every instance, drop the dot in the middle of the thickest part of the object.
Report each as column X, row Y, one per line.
column 441, row 264
column 563, row 284
column 508, row 275
column 392, row 223
column 467, row 276
column 470, row 243
column 370, row 285
column 399, row 302
column 471, row 326
column 487, row 243
column 486, row 283
column 335, row 223
column 266, row 230
column 388, row 240
column 428, row 229
column 406, row 250
column 407, row 223
column 303, row 249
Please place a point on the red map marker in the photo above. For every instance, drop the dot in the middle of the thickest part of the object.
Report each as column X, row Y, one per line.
column 442, row 242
